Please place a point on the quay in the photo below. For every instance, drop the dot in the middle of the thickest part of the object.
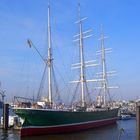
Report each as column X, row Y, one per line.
column 6, row 118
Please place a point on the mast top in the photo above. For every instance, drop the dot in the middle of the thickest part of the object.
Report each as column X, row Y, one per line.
column 102, row 37
column 79, row 10
column 48, row 2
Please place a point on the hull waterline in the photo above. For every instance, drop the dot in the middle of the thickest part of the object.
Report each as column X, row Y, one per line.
column 33, row 131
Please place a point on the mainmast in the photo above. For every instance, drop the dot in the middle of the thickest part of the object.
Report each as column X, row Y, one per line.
column 49, row 60
column 82, row 66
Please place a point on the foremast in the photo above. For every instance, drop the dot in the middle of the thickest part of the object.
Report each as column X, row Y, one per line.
column 49, row 60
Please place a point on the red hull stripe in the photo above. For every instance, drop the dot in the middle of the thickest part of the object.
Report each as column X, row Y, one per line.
column 32, row 131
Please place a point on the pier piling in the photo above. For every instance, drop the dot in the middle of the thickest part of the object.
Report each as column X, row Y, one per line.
column 5, row 116
column 138, row 121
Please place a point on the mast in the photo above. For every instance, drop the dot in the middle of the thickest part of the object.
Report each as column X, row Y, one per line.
column 104, row 74
column 104, row 84
column 49, row 60
column 82, row 66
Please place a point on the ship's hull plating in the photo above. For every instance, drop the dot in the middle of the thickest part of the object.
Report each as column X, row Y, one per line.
column 39, row 122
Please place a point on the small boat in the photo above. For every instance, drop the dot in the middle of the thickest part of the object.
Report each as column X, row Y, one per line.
column 125, row 117
column 133, row 114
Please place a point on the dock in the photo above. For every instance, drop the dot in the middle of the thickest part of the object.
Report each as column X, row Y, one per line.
column 9, row 122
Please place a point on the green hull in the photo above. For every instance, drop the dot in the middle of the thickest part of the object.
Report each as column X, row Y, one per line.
column 43, row 117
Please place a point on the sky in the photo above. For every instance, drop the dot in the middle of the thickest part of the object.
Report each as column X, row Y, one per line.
column 20, row 66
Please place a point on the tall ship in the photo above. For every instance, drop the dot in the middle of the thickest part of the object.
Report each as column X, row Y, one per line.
column 52, row 119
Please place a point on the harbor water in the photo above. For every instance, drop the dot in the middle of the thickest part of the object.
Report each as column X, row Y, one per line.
column 126, row 129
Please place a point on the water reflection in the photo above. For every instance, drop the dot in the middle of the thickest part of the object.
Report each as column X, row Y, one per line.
column 9, row 135
column 105, row 133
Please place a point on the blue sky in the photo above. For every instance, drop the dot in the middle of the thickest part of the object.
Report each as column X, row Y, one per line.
column 21, row 68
